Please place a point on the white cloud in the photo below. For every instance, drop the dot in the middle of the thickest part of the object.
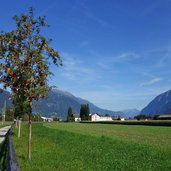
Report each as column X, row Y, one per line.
column 109, row 98
column 165, row 59
column 76, row 69
column 123, row 57
column 109, row 61
column 150, row 82
column 128, row 56
column 96, row 82
column 103, row 65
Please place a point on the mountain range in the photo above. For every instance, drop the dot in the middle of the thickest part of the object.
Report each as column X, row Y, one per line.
column 59, row 101
column 130, row 113
column 159, row 105
column 4, row 97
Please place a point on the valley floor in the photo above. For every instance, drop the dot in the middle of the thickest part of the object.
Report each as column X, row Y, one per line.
column 76, row 146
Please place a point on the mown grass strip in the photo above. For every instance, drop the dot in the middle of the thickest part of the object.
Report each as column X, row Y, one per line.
column 160, row 137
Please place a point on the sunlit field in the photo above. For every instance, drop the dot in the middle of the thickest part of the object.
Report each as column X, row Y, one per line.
column 75, row 146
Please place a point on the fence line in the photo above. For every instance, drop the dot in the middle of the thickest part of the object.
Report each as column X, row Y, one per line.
column 12, row 162
column 3, row 153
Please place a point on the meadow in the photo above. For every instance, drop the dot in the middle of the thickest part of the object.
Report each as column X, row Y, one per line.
column 75, row 146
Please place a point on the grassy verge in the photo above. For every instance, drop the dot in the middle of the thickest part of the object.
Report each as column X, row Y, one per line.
column 5, row 124
column 75, row 147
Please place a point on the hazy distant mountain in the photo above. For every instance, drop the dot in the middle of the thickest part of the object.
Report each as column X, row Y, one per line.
column 160, row 105
column 58, row 102
column 130, row 113
column 94, row 108
column 4, row 96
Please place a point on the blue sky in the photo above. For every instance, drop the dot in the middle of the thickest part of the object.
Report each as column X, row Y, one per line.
column 116, row 53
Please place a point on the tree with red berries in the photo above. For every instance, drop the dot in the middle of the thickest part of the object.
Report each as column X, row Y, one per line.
column 25, row 59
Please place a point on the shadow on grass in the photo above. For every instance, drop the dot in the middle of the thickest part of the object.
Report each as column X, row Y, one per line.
column 22, row 157
column 3, row 154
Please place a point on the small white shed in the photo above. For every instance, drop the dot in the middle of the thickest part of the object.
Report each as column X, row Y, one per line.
column 77, row 118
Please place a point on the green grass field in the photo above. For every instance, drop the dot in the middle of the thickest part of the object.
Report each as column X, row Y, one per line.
column 101, row 147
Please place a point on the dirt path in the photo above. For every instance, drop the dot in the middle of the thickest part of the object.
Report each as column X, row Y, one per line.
column 3, row 132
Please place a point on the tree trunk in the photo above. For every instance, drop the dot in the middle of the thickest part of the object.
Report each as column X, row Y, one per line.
column 16, row 122
column 30, row 133
column 2, row 120
column 19, row 126
column 29, row 140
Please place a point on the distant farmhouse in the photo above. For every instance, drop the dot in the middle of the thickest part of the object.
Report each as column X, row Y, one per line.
column 118, row 118
column 97, row 117
column 122, row 119
column 45, row 119
column 77, row 117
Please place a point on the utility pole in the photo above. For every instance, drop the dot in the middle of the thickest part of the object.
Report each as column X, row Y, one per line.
column 3, row 113
column 2, row 117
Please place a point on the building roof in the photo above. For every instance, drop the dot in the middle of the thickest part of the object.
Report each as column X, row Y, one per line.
column 91, row 114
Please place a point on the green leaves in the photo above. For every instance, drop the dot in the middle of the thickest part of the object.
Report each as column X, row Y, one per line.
column 25, row 58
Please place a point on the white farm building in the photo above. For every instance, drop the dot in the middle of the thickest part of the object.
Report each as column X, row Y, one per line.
column 45, row 119
column 97, row 117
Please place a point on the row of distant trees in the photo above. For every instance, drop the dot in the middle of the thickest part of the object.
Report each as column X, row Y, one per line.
column 143, row 117
column 84, row 113
column 9, row 116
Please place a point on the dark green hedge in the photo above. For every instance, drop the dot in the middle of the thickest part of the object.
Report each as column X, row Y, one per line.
column 148, row 123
